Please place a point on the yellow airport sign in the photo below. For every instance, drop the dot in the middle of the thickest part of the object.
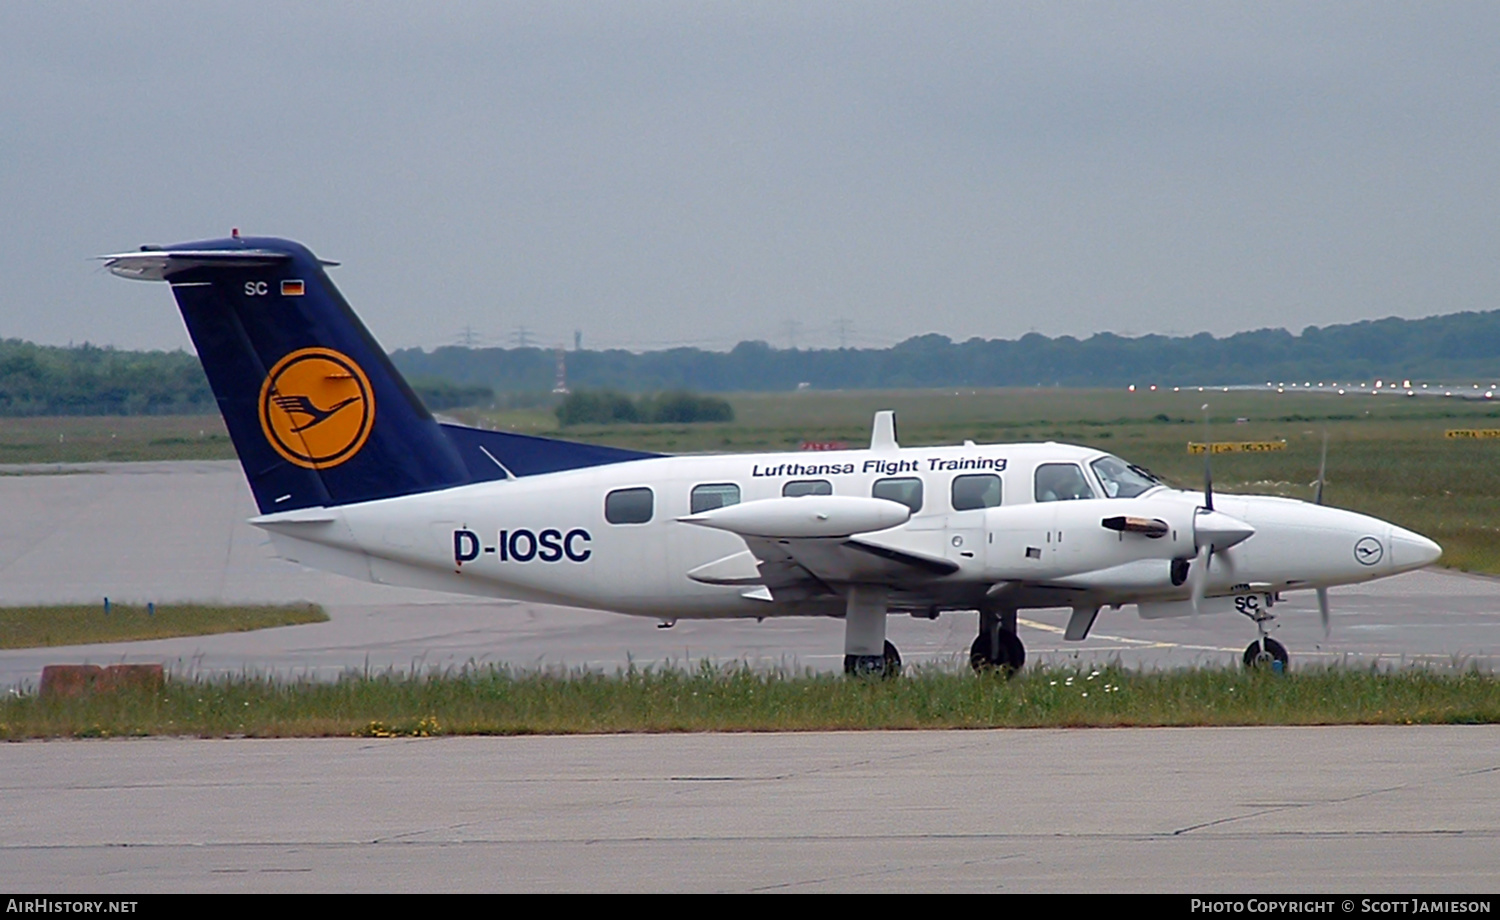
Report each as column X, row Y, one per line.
column 1237, row 447
column 1472, row 433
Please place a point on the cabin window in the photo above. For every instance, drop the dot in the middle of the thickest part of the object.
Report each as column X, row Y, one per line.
column 714, row 495
column 1061, row 482
column 906, row 490
column 981, row 490
column 799, row 487
column 629, row 506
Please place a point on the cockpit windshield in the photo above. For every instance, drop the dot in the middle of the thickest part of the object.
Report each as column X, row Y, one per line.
column 1123, row 480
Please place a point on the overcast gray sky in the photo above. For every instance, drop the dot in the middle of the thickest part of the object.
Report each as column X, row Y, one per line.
column 699, row 173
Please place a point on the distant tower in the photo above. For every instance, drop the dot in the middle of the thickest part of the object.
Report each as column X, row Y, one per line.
column 842, row 326
column 562, row 371
column 577, row 339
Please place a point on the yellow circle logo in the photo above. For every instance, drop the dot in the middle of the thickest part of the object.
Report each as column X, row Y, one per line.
column 317, row 408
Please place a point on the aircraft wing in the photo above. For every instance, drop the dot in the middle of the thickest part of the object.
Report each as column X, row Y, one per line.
column 796, row 569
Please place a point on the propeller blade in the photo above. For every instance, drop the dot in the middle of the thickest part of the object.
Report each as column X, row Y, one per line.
column 1198, row 576
column 1323, row 610
column 1322, row 471
column 1208, row 466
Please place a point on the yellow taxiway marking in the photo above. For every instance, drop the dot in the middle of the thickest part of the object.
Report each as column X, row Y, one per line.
column 1136, row 643
column 1154, row 643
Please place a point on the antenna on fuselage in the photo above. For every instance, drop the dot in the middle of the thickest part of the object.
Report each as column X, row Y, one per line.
column 1322, row 473
column 883, row 431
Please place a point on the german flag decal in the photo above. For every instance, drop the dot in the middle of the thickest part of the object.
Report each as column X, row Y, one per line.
column 292, row 288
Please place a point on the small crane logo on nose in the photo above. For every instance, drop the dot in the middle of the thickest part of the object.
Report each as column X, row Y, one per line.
column 1368, row 551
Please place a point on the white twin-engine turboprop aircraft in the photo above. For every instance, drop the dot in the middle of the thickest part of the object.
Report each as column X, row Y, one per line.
column 352, row 474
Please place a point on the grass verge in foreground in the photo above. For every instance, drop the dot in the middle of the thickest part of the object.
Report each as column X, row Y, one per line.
column 499, row 702
column 83, row 624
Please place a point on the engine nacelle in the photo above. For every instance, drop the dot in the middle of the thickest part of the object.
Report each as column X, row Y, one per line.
column 1053, row 540
column 1140, row 576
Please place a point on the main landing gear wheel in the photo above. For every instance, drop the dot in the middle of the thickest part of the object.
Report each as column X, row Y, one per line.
column 1272, row 657
column 1003, row 652
column 887, row 665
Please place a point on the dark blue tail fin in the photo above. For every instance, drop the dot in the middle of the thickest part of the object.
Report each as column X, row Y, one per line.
column 317, row 413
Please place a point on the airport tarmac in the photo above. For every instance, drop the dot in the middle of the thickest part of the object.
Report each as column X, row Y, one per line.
column 1254, row 810
column 1362, row 809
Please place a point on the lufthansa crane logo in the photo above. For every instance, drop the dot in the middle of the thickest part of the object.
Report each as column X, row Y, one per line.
column 317, row 408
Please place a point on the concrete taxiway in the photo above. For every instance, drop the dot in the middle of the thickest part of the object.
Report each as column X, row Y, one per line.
column 1365, row 810
column 176, row 531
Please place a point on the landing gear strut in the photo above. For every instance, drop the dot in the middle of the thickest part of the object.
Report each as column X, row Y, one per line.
column 866, row 651
column 997, row 648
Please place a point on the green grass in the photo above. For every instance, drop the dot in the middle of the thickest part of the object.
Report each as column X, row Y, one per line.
column 83, row 439
column 82, row 624
column 499, row 702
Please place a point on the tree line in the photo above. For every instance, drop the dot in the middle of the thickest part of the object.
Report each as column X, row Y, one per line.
column 1456, row 348
column 90, row 380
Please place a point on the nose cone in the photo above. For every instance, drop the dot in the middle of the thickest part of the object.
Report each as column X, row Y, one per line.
column 1412, row 550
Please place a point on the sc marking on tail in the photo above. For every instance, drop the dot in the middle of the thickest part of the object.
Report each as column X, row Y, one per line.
column 290, row 287
column 352, row 474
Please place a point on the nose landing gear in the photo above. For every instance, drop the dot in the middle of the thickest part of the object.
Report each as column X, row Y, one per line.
column 1264, row 653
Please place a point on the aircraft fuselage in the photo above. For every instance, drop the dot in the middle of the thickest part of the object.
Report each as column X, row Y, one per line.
column 547, row 538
